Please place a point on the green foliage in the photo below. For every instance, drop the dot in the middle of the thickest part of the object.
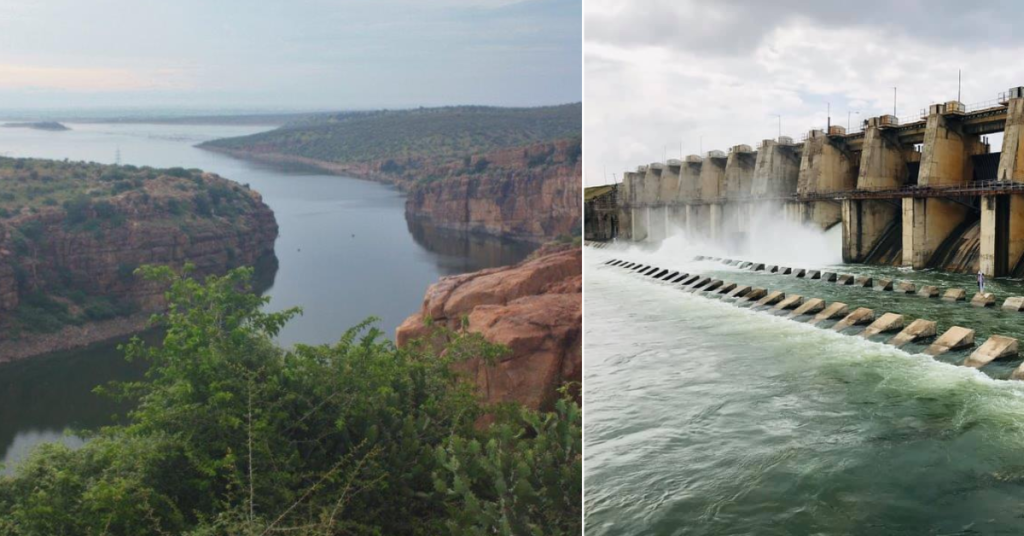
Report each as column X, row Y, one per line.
column 77, row 210
column 234, row 435
column 481, row 165
column 39, row 313
column 526, row 478
column 437, row 133
column 174, row 207
column 541, row 158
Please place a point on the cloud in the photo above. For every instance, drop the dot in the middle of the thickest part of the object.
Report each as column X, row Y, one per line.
column 647, row 93
column 300, row 54
column 26, row 77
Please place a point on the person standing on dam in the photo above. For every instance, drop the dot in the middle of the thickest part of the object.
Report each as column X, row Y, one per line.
column 981, row 282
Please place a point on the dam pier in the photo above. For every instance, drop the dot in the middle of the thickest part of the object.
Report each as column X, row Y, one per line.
column 920, row 192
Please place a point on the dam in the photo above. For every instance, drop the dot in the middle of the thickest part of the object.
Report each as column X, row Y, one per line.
column 920, row 192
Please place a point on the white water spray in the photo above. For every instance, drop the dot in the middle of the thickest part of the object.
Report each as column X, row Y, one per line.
column 767, row 237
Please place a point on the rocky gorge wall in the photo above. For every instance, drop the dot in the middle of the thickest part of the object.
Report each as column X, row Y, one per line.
column 532, row 193
column 90, row 249
column 535, row 308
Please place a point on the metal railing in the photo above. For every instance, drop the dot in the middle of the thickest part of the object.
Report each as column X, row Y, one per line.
column 984, row 105
column 976, row 188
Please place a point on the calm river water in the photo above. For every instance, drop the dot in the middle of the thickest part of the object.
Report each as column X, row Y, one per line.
column 345, row 252
column 704, row 418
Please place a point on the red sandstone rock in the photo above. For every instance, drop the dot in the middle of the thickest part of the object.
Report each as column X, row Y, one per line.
column 531, row 193
column 535, row 308
column 515, row 200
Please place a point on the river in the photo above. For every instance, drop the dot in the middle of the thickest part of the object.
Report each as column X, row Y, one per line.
column 705, row 418
column 345, row 252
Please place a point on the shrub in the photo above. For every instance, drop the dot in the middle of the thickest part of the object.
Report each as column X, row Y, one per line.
column 234, row 435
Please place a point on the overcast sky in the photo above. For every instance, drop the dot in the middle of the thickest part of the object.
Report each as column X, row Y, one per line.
column 660, row 73
column 294, row 54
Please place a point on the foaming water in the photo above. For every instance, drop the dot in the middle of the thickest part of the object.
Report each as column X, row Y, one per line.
column 768, row 238
column 706, row 418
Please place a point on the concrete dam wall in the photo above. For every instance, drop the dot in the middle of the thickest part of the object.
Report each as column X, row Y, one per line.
column 923, row 193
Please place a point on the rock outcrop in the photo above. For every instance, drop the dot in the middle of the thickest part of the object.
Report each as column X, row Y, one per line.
column 68, row 255
column 531, row 193
column 534, row 308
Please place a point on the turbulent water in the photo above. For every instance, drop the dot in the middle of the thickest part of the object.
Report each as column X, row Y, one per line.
column 707, row 418
column 345, row 252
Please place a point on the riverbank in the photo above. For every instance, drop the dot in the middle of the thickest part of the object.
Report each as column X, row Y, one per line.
column 73, row 234
column 72, row 337
column 530, row 194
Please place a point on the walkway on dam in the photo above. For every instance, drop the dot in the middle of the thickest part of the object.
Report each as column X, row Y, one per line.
column 976, row 188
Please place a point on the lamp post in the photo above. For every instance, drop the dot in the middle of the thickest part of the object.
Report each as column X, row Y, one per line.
column 848, row 123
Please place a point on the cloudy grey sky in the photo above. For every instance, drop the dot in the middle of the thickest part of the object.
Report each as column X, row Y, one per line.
column 663, row 73
column 294, row 54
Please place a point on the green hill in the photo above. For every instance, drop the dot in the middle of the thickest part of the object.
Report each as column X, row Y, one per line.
column 437, row 134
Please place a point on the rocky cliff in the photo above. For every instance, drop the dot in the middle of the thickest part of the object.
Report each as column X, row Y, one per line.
column 510, row 172
column 66, row 267
column 534, row 308
column 530, row 193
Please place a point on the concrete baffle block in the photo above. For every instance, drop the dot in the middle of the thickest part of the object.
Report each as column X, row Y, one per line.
column 744, row 265
column 738, row 292
column 954, row 338
column 726, row 287
column 844, row 279
column 813, row 274
column 757, row 267
column 828, row 277
column 1014, row 303
column 884, row 324
column 771, row 268
column 681, row 278
column 954, row 295
column 996, row 347
column 703, row 282
column 711, row 286
column 928, row 291
column 906, row 287
column 883, row 284
column 785, row 270
column 917, row 330
column 699, row 258
column 834, row 310
column 863, row 281
column 810, row 307
column 791, row 301
column 691, row 280
column 771, row 298
column 859, row 316
column 799, row 272
column 756, row 294
column 983, row 299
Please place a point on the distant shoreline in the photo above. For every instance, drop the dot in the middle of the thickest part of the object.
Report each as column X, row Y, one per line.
column 37, row 125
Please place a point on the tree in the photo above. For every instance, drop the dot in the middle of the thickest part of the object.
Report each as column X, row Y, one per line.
column 232, row 434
